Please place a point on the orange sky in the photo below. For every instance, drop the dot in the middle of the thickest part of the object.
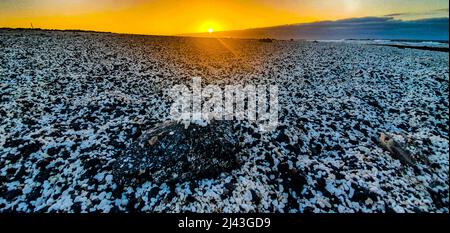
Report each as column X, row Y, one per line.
column 167, row 17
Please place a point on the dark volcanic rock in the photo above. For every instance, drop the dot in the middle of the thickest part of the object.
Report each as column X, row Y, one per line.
column 170, row 152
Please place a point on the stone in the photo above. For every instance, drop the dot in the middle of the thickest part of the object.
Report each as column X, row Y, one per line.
column 171, row 152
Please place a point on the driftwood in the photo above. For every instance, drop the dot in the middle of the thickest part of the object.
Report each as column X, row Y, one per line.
column 396, row 150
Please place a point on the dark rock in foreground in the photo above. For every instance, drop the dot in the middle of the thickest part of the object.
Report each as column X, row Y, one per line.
column 171, row 152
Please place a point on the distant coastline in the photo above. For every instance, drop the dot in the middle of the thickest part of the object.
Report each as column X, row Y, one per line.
column 388, row 42
column 437, row 49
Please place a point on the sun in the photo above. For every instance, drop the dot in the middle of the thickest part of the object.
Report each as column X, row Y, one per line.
column 210, row 26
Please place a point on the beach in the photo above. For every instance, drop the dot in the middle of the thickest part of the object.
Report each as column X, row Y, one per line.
column 361, row 127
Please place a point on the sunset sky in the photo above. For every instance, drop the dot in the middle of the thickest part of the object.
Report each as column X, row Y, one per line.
column 168, row 17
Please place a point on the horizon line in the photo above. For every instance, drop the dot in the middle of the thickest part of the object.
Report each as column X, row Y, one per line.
column 192, row 34
column 202, row 37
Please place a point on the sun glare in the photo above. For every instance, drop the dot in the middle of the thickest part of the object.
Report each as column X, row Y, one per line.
column 210, row 26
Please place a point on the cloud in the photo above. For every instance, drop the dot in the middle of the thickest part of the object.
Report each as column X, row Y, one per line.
column 397, row 14
column 445, row 10
column 354, row 21
column 418, row 14
column 354, row 28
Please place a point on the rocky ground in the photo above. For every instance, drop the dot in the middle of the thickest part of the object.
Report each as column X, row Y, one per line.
column 362, row 128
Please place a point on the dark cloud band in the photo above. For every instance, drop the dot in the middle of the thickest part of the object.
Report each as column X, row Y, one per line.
column 354, row 28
